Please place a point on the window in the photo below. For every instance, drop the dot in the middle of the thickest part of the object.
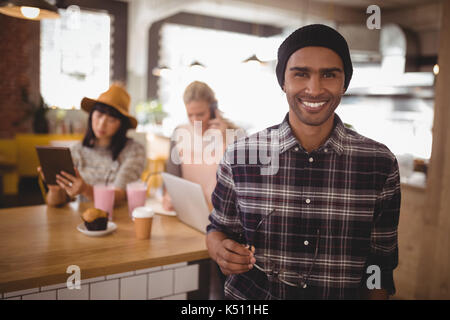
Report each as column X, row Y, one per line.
column 251, row 97
column 244, row 91
column 403, row 124
column 75, row 57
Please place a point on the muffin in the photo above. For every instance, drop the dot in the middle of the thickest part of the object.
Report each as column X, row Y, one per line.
column 95, row 219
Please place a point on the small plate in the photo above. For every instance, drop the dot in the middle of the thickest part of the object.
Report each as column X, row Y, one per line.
column 109, row 228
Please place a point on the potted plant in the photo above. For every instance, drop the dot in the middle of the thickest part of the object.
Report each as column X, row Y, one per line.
column 36, row 111
column 150, row 112
column 40, row 123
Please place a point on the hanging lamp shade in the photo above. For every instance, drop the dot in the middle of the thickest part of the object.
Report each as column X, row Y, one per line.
column 29, row 9
column 253, row 58
column 161, row 71
column 195, row 63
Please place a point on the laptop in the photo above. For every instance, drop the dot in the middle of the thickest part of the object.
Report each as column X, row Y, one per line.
column 188, row 201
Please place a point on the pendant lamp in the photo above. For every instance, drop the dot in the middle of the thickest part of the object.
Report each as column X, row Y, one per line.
column 29, row 9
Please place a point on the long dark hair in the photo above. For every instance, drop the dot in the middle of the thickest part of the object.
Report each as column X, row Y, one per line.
column 119, row 140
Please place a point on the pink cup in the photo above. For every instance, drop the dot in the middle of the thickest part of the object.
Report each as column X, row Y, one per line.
column 104, row 199
column 136, row 195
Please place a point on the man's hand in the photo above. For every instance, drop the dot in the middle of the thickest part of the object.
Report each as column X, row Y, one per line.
column 232, row 257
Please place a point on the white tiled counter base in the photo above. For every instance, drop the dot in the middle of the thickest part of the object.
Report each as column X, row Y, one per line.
column 171, row 282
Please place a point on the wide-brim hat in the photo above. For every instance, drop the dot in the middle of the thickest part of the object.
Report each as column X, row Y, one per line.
column 116, row 97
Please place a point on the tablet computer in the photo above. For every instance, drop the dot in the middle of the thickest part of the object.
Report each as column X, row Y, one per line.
column 53, row 160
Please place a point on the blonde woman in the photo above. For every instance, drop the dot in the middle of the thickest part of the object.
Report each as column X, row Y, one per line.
column 196, row 150
column 198, row 146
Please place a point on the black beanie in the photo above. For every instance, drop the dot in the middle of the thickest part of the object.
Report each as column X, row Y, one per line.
column 317, row 35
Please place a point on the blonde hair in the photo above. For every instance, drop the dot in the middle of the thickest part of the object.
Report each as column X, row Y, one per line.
column 199, row 91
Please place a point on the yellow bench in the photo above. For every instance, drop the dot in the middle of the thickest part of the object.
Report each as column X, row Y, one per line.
column 8, row 162
column 27, row 160
column 21, row 152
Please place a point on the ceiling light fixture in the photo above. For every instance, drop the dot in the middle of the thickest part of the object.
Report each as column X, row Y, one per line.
column 436, row 69
column 197, row 64
column 253, row 60
column 161, row 71
column 29, row 9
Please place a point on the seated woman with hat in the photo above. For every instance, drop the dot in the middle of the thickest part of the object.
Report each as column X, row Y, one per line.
column 105, row 155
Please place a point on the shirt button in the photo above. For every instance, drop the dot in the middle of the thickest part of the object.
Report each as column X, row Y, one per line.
column 311, row 159
column 296, row 148
column 326, row 150
column 306, row 242
column 304, row 286
column 308, row 201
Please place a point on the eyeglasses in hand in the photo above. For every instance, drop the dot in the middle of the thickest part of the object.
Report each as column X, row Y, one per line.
column 289, row 278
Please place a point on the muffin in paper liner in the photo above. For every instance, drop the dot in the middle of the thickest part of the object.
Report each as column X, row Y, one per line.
column 95, row 219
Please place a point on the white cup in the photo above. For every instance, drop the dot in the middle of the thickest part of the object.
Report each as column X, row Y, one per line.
column 143, row 217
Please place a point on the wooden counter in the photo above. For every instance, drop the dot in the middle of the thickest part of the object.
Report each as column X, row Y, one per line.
column 38, row 243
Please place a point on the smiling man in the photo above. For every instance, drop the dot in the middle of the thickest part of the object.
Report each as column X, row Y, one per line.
column 315, row 228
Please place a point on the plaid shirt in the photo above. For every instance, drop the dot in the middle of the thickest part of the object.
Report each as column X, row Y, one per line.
column 330, row 214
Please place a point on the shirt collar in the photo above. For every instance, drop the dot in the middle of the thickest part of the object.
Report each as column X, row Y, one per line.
column 334, row 142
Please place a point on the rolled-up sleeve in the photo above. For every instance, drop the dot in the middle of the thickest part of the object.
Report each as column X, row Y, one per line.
column 384, row 238
column 225, row 214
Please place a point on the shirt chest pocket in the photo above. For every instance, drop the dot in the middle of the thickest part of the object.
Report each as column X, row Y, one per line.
column 272, row 218
column 349, row 234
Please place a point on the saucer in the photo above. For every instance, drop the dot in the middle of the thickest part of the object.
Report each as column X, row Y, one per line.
column 110, row 228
